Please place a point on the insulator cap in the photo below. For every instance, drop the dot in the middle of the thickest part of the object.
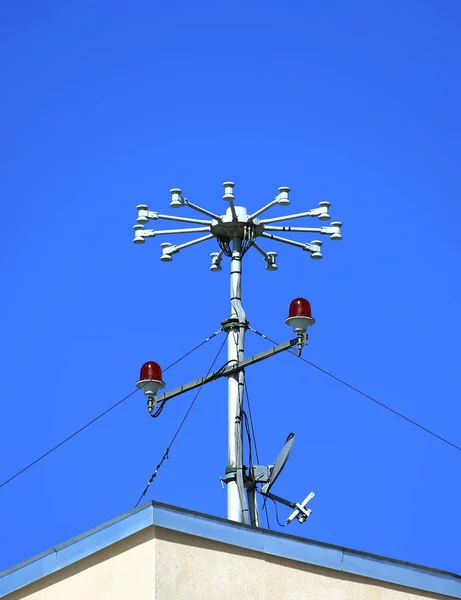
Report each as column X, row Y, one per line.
column 150, row 370
column 300, row 307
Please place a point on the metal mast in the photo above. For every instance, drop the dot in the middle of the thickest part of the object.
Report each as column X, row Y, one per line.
column 236, row 233
column 236, row 506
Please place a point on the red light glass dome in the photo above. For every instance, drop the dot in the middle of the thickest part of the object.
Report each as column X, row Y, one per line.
column 300, row 307
column 151, row 370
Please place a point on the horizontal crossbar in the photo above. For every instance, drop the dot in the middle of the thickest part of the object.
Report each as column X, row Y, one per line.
column 228, row 370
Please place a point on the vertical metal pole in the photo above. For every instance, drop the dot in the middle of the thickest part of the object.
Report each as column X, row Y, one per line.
column 234, row 506
column 236, row 503
column 253, row 506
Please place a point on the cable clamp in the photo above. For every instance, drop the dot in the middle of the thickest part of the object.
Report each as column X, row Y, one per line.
column 233, row 323
column 231, row 475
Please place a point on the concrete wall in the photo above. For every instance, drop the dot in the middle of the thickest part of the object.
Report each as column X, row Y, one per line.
column 162, row 564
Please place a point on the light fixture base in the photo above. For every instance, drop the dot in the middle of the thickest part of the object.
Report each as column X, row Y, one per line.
column 300, row 324
column 150, row 386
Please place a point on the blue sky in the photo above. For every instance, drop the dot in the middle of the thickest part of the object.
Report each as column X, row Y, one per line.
column 107, row 105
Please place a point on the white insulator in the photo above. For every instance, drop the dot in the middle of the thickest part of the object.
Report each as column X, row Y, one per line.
column 337, row 234
column 176, row 199
column 228, row 190
column 166, row 256
column 317, row 255
column 138, row 239
column 325, row 205
column 142, row 214
column 283, row 198
column 215, row 262
column 271, row 264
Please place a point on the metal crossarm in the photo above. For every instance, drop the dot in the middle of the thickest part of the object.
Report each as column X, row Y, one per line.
column 226, row 371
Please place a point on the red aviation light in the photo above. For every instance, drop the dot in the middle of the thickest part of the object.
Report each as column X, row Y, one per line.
column 151, row 370
column 300, row 307
column 300, row 315
column 150, row 379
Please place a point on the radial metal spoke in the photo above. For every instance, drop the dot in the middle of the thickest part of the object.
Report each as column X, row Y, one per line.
column 309, row 213
column 260, row 250
column 199, row 209
column 263, row 209
column 175, row 231
column 193, row 242
column 295, row 229
column 269, row 257
column 277, row 238
column 183, row 219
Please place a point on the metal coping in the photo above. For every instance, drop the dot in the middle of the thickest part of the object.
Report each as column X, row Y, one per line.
column 227, row 532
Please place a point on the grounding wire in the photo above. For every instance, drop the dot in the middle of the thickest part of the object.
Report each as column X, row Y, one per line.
column 165, row 455
column 250, row 444
column 277, row 513
column 251, row 421
column 255, row 444
column 72, row 435
column 276, row 509
column 355, row 389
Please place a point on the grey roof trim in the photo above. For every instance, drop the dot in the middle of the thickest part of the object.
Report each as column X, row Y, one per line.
column 227, row 532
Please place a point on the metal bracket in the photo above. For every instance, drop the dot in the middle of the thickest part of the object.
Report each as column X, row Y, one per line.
column 258, row 474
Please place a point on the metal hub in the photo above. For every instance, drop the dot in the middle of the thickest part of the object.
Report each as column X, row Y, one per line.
column 232, row 226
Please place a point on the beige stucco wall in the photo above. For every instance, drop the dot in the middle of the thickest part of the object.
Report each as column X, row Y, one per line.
column 190, row 568
column 165, row 565
column 124, row 570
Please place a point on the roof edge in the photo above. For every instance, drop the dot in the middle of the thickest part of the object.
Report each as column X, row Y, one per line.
column 221, row 530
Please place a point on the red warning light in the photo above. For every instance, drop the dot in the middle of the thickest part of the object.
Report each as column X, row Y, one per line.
column 300, row 307
column 300, row 315
column 151, row 370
